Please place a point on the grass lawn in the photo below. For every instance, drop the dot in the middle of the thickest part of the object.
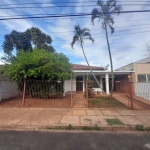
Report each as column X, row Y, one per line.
column 103, row 101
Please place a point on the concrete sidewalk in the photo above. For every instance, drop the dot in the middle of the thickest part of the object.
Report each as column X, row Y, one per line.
column 46, row 118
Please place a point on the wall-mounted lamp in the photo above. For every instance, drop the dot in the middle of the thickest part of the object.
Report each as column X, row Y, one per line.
column 129, row 77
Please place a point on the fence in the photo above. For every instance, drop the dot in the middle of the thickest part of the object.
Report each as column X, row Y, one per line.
column 53, row 94
column 133, row 95
column 40, row 93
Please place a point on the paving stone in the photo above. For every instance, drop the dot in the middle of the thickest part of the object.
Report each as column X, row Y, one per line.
column 110, row 112
column 94, row 112
column 129, row 120
column 46, row 120
column 58, row 111
column 142, row 112
column 102, row 119
column 144, row 119
column 89, row 120
column 26, row 120
column 127, row 112
column 79, row 112
column 73, row 120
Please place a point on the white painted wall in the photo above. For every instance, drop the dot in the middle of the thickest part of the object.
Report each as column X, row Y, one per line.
column 142, row 89
column 67, row 86
column 8, row 90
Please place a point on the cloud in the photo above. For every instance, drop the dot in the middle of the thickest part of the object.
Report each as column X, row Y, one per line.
column 47, row 5
column 127, row 43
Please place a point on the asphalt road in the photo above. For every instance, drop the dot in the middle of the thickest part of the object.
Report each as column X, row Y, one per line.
column 73, row 140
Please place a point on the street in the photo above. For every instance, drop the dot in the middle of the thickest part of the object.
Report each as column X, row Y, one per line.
column 73, row 140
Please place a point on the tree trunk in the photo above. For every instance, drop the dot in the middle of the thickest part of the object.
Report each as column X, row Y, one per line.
column 89, row 65
column 111, row 64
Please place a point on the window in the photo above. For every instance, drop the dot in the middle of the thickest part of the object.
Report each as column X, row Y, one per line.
column 143, row 78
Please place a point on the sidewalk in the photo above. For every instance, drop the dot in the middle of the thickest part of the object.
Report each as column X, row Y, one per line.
column 46, row 118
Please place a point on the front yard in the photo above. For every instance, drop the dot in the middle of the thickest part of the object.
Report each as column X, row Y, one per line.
column 104, row 102
column 37, row 103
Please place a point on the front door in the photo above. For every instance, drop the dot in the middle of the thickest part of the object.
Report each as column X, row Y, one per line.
column 79, row 83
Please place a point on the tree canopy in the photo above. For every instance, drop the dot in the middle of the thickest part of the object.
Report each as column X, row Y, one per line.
column 105, row 12
column 25, row 40
column 39, row 64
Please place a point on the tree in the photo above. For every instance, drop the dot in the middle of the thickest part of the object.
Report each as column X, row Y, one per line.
column 17, row 40
column 48, row 48
column 80, row 36
column 25, row 40
column 38, row 64
column 38, row 37
column 107, row 9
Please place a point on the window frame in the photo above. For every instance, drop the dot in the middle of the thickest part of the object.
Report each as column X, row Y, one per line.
column 147, row 77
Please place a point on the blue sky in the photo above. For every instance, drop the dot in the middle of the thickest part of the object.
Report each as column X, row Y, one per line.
column 128, row 43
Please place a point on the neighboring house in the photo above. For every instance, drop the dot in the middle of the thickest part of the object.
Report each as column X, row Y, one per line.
column 141, row 70
column 140, row 76
column 7, row 89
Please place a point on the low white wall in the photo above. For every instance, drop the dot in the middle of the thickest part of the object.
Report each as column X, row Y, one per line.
column 67, row 86
column 8, row 89
column 142, row 89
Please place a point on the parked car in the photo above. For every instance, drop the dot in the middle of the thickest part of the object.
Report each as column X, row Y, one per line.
column 96, row 90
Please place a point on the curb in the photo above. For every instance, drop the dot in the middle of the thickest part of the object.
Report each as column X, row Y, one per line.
column 69, row 127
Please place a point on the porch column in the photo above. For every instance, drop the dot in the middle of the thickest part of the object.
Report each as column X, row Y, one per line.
column 107, row 83
column 83, row 85
column 101, row 82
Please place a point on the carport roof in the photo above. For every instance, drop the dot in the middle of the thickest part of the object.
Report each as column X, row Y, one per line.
column 101, row 72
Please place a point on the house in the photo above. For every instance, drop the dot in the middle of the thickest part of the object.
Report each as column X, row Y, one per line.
column 76, row 84
column 140, row 77
column 140, row 69
column 82, row 72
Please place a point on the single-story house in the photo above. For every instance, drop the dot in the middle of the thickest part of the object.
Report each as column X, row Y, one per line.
column 81, row 71
column 140, row 75
column 141, row 70
column 101, row 73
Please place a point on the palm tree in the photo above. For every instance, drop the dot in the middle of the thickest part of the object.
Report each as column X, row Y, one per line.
column 105, row 13
column 80, row 36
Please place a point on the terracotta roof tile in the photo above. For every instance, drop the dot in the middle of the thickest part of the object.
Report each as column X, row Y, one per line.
column 84, row 67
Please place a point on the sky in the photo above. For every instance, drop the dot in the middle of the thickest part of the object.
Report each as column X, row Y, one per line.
column 128, row 43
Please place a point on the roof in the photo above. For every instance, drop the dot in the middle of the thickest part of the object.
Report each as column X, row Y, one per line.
column 84, row 67
column 130, row 66
column 145, row 60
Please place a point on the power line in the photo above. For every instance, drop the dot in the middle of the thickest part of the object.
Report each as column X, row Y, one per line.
column 116, row 35
column 50, row 3
column 69, row 2
column 70, row 15
column 99, row 30
column 103, row 36
column 25, row 7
